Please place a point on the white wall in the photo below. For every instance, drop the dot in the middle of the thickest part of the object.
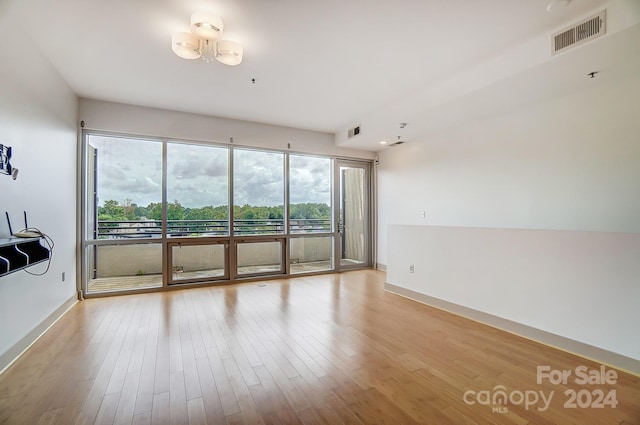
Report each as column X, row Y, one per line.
column 579, row 285
column 570, row 163
column 38, row 115
column 116, row 117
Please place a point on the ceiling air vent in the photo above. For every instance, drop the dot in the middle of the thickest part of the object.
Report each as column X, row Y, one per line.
column 354, row 131
column 593, row 27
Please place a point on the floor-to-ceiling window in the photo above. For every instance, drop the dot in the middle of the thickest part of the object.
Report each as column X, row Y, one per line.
column 258, row 212
column 310, row 188
column 160, row 212
column 197, row 211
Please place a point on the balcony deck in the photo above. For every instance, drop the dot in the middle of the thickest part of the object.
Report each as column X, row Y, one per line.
column 126, row 283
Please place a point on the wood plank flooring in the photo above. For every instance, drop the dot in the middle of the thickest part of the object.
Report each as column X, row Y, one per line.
column 330, row 349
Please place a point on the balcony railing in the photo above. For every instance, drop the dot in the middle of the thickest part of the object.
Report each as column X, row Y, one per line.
column 122, row 229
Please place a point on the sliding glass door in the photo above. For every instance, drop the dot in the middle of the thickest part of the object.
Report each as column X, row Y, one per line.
column 123, row 247
column 353, row 214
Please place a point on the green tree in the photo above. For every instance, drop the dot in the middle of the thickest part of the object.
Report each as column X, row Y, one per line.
column 111, row 211
column 175, row 211
column 154, row 211
column 129, row 210
column 140, row 212
column 310, row 211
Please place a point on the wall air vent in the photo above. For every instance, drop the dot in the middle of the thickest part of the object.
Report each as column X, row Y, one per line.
column 593, row 27
column 354, row 132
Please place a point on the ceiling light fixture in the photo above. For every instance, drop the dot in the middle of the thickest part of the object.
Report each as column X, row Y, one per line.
column 205, row 42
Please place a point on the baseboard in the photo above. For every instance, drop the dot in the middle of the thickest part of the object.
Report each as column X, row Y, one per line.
column 600, row 355
column 13, row 353
column 380, row 266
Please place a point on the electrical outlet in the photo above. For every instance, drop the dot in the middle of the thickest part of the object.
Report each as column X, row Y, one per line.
column 411, row 268
column 423, row 214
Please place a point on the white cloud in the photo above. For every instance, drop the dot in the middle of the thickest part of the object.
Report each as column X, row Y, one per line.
column 197, row 174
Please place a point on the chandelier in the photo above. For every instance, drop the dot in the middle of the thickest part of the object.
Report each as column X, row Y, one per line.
column 204, row 42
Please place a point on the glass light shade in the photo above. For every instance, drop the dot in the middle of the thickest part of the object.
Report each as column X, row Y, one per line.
column 229, row 52
column 207, row 27
column 185, row 45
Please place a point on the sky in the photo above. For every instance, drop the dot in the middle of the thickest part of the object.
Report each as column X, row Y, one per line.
column 131, row 169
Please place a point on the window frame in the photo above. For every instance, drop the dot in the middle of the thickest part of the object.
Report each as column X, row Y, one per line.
column 229, row 241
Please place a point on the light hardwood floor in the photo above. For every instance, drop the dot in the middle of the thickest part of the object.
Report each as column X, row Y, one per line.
column 330, row 349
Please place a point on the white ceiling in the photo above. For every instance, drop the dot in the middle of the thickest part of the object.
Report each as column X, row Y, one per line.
column 318, row 65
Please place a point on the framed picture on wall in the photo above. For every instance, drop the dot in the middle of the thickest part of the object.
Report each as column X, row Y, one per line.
column 5, row 157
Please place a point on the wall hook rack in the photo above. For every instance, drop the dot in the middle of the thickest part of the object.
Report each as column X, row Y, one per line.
column 22, row 249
